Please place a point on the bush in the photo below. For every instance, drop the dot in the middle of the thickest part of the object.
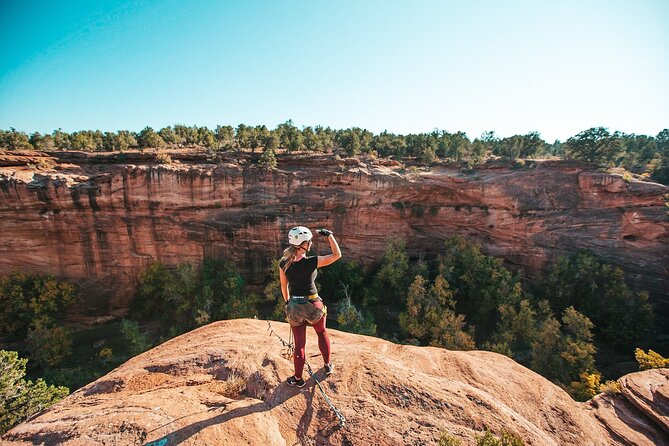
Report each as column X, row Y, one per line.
column 650, row 360
column 610, row 387
column 163, row 158
column 19, row 399
column 449, row 440
column 587, row 387
column 135, row 341
column 506, row 439
column 351, row 319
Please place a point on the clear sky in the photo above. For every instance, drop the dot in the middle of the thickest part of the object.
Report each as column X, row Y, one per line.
column 556, row 67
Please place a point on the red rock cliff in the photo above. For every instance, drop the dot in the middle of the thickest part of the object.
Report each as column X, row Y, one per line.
column 98, row 219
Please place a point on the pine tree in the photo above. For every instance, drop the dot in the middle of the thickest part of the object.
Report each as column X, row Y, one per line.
column 19, row 398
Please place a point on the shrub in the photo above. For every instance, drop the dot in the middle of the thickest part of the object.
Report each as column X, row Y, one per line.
column 19, row 398
column 587, row 387
column 610, row 387
column 134, row 339
column 506, row 439
column 163, row 158
column 351, row 319
column 449, row 440
column 650, row 360
column 233, row 387
column 105, row 354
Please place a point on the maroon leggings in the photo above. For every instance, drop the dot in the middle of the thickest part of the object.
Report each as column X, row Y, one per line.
column 300, row 335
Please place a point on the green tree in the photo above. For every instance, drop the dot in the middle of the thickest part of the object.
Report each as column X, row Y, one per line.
column 349, row 140
column 206, row 138
column 516, row 330
column 390, row 281
column 595, row 145
column 579, row 350
column 148, row 138
column 431, row 317
column 29, row 299
column 225, row 137
column 621, row 317
column 639, row 152
column 268, row 159
column 42, row 142
column 186, row 135
column 562, row 352
column 660, row 171
column 341, row 278
column 14, row 140
column 49, row 345
column 124, row 140
column 168, row 135
column 546, row 351
column 188, row 296
column 19, row 399
column 290, row 136
column 61, row 139
column 312, row 141
column 481, row 284
column 505, row 439
column 135, row 341
column 326, row 137
column 387, row 144
column 352, row 320
column 86, row 140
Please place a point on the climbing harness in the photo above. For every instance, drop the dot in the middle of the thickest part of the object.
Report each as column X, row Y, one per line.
column 289, row 354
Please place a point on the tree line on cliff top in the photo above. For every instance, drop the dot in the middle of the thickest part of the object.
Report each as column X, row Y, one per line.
column 640, row 154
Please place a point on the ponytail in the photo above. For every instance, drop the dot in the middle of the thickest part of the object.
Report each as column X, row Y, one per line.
column 288, row 257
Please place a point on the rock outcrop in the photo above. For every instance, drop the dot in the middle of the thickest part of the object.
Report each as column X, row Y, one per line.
column 223, row 384
column 98, row 219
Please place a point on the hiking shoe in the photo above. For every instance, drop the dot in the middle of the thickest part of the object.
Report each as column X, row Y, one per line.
column 329, row 368
column 292, row 381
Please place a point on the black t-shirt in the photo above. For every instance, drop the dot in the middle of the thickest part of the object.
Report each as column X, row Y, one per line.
column 301, row 276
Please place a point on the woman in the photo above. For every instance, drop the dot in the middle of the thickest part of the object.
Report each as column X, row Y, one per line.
column 303, row 304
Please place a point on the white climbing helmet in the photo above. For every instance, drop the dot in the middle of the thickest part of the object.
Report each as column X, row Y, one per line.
column 299, row 235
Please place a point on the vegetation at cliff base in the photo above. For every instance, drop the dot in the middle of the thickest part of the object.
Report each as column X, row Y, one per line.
column 460, row 299
column 643, row 155
column 32, row 308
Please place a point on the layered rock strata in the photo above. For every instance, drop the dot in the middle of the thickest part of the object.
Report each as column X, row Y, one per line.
column 99, row 219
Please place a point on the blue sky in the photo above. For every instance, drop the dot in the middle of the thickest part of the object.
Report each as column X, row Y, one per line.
column 402, row 66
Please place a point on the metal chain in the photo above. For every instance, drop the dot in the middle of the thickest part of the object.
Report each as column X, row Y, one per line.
column 291, row 350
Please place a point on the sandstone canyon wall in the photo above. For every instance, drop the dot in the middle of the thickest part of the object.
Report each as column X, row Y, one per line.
column 99, row 219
